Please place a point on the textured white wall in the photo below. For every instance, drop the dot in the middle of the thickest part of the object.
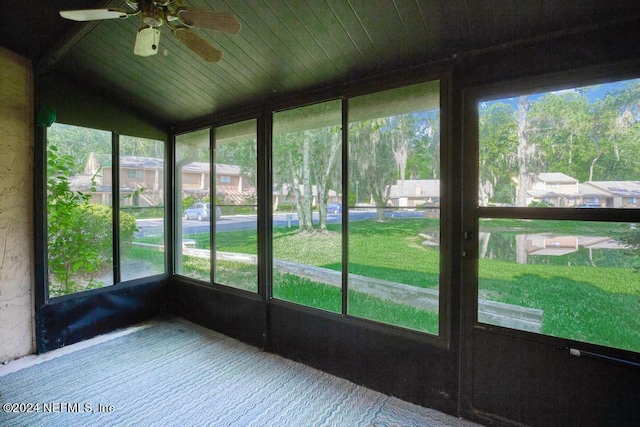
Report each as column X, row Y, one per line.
column 16, row 207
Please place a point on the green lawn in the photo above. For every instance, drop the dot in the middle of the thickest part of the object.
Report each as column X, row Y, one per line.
column 598, row 305
column 582, row 302
column 593, row 304
column 380, row 250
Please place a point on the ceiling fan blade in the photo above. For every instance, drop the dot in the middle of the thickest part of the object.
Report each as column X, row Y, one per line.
column 209, row 19
column 197, row 44
column 94, row 14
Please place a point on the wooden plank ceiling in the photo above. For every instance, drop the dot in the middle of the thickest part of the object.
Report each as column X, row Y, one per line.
column 286, row 46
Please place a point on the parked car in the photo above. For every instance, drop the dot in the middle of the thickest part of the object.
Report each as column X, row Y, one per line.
column 335, row 208
column 201, row 211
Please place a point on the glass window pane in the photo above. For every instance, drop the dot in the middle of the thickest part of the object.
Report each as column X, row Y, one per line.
column 394, row 206
column 570, row 279
column 141, row 208
column 236, row 262
column 193, row 210
column 307, row 178
column 572, row 148
column 79, row 216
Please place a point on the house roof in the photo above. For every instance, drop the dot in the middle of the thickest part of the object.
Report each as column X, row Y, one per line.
column 222, row 169
column 137, row 162
column 196, row 167
column 555, row 177
column 583, row 191
column 588, row 191
column 83, row 182
column 203, row 167
column 617, row 188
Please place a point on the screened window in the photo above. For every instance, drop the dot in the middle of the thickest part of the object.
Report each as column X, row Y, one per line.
column 142, row 225
column 79, row 215
column 394, row 207
column 193, row 207
column 307, row 178
column 562, row 274
column 80, row 181
column 236, row 236
column 391, row 207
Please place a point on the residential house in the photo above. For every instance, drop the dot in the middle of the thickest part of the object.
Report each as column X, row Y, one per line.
column 619, row 194
column 412, row 193
column 142, row 181
column 554, row 188
column 561, row 190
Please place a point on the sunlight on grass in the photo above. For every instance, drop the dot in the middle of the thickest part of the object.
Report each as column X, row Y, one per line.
column 237, row 275
column 368, row 307
column 197, row 268
column 593, row 306
column 318, row 295
column 319, row 249
column 586, row 295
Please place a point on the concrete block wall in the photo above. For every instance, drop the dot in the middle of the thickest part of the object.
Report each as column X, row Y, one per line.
column 16, row 207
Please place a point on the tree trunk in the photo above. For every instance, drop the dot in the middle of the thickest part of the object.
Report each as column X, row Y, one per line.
column 307, row 198
column 323, row 168
column 400, row 147
column 483, row 244
column 295, row 188
column 593, row 163
column 522, row 153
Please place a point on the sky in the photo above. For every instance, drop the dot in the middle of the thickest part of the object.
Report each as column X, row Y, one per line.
column 593, row 93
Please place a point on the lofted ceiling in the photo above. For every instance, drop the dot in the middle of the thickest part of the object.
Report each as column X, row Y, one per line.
column 284, row 46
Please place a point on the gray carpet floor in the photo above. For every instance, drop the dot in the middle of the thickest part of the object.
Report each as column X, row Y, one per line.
column 175, row 373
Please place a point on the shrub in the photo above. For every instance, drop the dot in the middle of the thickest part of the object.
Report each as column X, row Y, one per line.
column 80, row 234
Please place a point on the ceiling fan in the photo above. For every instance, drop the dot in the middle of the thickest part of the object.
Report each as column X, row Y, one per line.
column 180, row 19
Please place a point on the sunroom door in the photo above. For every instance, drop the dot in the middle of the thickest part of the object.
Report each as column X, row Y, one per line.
column 552, row 250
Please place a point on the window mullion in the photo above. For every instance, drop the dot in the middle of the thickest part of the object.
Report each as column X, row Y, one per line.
column 345, row 206
column 212, row 202
column 115, row 204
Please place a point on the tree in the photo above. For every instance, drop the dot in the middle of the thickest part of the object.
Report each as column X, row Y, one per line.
column 143, row 147
column 399, row 132
column 372, row 160
column 326, row 155
column 242, row 154
column 424, row 154
column 306, row 159
column 498, row 142
column 79, row 142
column 79, row 240
column 561, row 125
column 525, row 152
column 618, row 130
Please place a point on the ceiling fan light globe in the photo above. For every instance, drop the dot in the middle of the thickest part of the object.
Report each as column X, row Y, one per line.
column 147, row 41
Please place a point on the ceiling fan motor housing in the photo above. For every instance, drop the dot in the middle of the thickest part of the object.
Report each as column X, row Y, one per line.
column 151, row 14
